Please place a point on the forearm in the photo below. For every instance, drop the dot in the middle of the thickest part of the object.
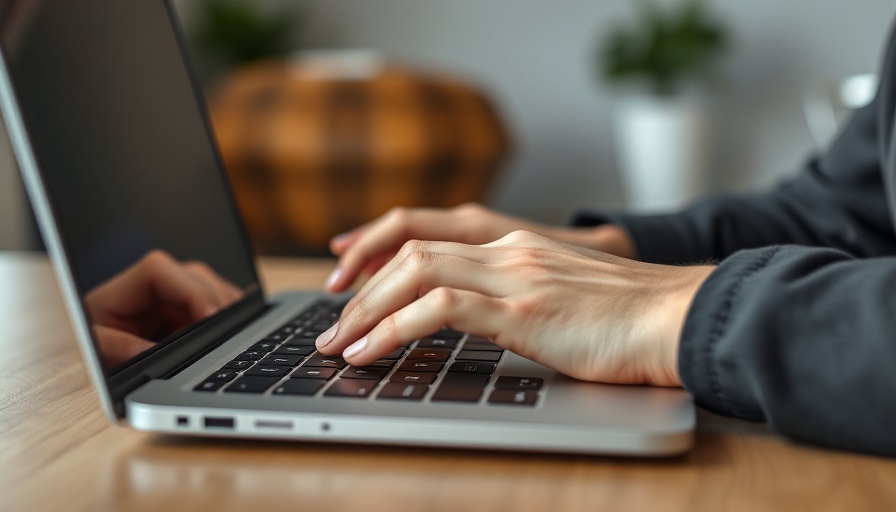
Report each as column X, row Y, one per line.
column 801, row 338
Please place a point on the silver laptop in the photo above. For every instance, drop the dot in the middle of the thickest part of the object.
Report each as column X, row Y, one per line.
column 110, row 132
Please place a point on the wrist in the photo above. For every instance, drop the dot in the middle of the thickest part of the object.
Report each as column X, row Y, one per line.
column 670, row 314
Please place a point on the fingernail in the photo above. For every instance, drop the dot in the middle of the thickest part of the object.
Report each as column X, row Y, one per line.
column 334, row 276
column 326, row 337
column 355, row 348
column 341, row 237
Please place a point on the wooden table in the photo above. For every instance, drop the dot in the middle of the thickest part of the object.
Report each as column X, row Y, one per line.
column 57, row 451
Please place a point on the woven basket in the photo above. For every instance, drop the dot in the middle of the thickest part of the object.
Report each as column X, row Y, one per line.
column 310, row 156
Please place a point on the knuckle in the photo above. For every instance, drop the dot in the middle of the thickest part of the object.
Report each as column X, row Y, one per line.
column 529, row 258
column 398, row 215
column 157, row 257
column 518, row 236
column 388, row 329
column 157, row 262
column 522, row 310
column 417, row 259
column 410, row 247
column 469, row 209
column 199, row 266
column 359, row 313
column 444, row 298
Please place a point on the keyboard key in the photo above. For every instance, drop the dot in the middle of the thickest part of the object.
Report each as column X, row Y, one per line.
column 288, row 330
column 251, row 385
column 437, row 343
column 365, row 373
column 294, row 350
column 486, row 346
column 383, row 363
column 421, row 366
column 519, row 383
column 223, row 375
column 355, row 388
column 478, row 355
column 251, row 355
column 216, row 381
column 304, row 387
column 314, row 373
column 275, row 338
column 319, row 361
column 301, row 341
column 263, row 346
column 236, row 364
column 281, row 360
column 395, row 354
column 210, row 385
column 267, row 371
column 513, row 396
column 429, row 354
column 320, row 326
column 472, row 368
column 403, row 391
column 448, row 334
column 460, row 387
column 413, row 377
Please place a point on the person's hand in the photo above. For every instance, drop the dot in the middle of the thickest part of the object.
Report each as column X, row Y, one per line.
column 151, row 299
column 366, row 249
column 588, row 314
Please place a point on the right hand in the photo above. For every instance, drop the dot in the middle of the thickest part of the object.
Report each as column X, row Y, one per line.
column 365, row 249
column 151, row 299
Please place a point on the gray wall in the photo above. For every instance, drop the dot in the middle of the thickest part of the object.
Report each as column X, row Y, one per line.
column 533, row 55
column 535, row 58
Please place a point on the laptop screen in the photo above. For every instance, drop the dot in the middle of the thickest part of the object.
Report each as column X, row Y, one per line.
column 141, row 205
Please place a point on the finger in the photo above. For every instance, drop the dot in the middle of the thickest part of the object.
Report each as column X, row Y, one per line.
column 374, row 266
column 174, row 284
column 140, row 287
column 418, row 274
column 117, row 346
column 224, row 290
column 418, row 249
column 341, row 242
column 387, row 235
column 461, row 310
column 470, row 252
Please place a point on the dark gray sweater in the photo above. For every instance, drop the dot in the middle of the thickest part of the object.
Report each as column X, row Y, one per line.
column 797, row 325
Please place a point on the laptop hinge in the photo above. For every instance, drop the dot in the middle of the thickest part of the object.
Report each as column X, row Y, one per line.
column 181, row 352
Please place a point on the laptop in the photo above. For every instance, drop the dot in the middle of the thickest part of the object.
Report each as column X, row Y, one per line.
column 113, row 141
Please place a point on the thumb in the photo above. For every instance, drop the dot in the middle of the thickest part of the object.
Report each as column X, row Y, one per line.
column 117, row 346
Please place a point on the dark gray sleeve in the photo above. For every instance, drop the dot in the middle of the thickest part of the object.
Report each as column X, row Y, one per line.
column 836, row 201
column 803, row 338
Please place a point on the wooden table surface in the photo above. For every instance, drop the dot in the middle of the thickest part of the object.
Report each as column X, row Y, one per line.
column 57, row 451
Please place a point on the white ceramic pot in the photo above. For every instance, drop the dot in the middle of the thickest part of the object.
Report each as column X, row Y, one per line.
column 662, row 147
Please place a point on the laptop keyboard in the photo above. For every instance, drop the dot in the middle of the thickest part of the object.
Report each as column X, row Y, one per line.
column 448, row 366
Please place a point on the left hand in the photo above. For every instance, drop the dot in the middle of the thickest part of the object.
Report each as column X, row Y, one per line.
column 584, row 313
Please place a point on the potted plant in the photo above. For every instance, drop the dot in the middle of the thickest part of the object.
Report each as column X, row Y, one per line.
column 233, row 33
column 665, row 58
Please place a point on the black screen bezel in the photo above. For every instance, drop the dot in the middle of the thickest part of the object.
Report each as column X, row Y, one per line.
column 172, row 354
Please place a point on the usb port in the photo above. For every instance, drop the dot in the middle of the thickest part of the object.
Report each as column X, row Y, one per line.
column 211, row 422
column 274, row 424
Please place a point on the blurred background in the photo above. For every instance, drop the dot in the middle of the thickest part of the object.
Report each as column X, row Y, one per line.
column 328, row 112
